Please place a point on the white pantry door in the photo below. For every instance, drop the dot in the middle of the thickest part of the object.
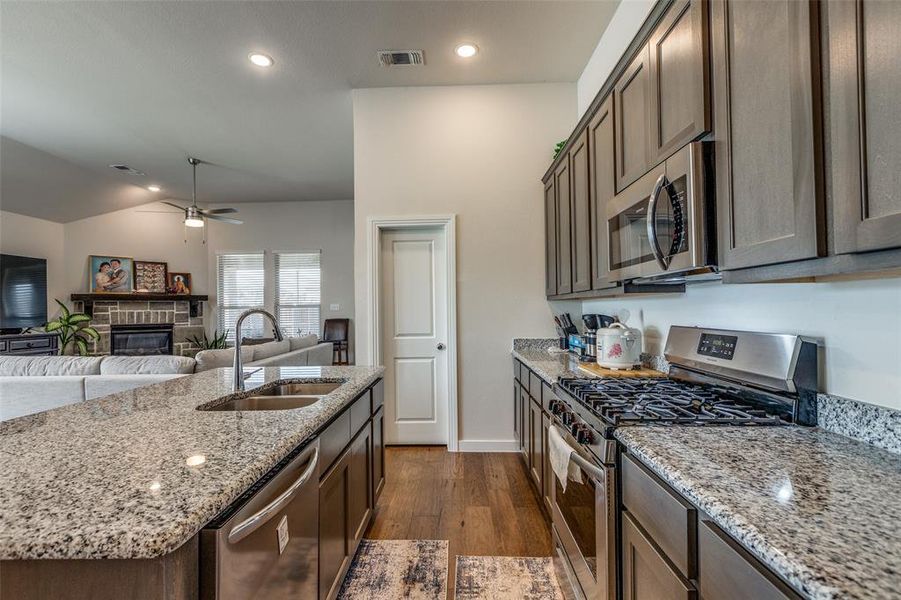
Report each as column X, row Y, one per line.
column 413, row 310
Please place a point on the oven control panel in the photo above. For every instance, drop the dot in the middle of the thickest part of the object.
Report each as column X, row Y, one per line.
column 717, row 345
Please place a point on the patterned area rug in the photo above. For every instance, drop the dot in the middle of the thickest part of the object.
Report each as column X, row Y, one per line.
column 506, row 578
column 414, row 569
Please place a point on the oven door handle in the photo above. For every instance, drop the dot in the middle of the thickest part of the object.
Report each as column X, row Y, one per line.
column 659, row 186
column 593, row 471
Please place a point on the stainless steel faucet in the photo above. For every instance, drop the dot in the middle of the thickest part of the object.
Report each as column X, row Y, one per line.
column 238, row 365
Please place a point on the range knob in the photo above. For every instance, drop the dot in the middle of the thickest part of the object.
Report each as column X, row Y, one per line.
column 566, row 416
column 555, row 407
column 585, row 436
column 575, row 428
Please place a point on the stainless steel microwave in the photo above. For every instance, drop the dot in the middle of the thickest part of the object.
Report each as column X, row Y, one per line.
column 663, row 226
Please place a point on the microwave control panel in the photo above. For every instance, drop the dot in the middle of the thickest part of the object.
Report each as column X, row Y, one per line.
column 717, row 345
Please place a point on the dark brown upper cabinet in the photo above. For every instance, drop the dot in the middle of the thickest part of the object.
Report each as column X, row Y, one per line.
column 550, row 238
column 865, row 123
column 631, row 99
column 767, row 124
column 580, row 198
column 679, row 83
column 603, row 188
column 564, row 224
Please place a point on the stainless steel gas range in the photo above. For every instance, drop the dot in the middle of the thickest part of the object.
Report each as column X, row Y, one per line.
column 716, row 378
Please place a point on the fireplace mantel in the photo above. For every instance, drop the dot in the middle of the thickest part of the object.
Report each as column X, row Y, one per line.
column 193, row 299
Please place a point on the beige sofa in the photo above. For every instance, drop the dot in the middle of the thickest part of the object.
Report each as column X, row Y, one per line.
column 30, row 384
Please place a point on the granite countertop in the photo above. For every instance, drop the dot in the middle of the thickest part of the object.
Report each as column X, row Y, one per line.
column 819, row 509
column 138, row 473
column 533, row 352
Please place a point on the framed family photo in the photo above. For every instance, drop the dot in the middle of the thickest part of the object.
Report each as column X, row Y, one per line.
column 151, row 276
column 179, row 283
column 112, row 274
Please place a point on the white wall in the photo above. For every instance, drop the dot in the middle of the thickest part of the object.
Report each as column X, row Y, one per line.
column 626, row 22
column 477, row 152
column 38, row 238
column 135, row 234
column 294, row 227
column 859, row 323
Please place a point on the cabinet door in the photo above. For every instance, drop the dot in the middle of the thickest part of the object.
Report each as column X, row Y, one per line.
column 646, row 574
column 547, row 472
column 581, row 219
column 768, row 154
column 631, row 113
column 865, row 122
column 536, row 449
column 550, row 238
column 359, row 486
column 378, row 454
column 564, row 218
column 679, row 95
column 525, row 416
column 334, row 532
column 603, row 188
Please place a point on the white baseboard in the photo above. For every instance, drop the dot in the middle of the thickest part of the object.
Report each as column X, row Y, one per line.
column 487, row 446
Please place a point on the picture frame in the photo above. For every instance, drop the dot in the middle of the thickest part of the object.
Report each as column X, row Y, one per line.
column 110, row 274
column 179, row 283
column 151, row 276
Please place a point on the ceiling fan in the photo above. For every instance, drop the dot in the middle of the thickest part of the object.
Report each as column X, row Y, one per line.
column 194, row 216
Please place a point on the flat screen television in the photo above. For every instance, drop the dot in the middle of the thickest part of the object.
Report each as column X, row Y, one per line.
column 23, row 292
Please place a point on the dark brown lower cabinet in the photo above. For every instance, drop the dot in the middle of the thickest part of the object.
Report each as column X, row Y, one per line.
column 378, row 454
column 334, row 528
column 728, row 572
column 646, row 573
column 536, row 450
column 548, row 473
column 359, row 477
column 525, row 424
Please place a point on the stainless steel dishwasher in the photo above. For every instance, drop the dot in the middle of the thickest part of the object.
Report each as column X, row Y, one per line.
column 265, row 545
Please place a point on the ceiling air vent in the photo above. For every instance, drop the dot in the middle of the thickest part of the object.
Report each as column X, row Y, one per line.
column 126, row 169
column 401, row 58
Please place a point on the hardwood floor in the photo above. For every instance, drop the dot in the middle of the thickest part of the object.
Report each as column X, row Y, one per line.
column 482, row 504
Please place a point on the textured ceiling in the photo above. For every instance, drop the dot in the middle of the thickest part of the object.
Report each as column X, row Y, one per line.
column 150, row 83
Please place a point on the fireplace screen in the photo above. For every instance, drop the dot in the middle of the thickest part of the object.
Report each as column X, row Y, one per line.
column 141, row 340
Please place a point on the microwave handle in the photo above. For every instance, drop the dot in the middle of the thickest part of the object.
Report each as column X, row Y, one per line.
column 662, row 260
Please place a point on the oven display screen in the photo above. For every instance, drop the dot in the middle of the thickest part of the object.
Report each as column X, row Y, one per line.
column 717, row 346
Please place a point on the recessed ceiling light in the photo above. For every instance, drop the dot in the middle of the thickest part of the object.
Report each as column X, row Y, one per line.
column 466, row 50
column 153, row 188
column 260, row 59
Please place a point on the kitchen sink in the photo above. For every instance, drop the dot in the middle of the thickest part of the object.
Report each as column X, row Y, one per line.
column 280, row 397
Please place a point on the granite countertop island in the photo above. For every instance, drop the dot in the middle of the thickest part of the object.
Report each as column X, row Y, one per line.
column 821, row 510
column 138, row 473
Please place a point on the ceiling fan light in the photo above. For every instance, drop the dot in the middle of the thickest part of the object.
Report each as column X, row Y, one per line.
column 193, row 222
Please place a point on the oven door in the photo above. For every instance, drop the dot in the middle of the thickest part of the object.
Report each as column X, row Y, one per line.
column 657, row 226
column 584, row 522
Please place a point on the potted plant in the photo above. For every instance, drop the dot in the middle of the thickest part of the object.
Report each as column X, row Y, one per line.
column 74, row 329
column 217, row 342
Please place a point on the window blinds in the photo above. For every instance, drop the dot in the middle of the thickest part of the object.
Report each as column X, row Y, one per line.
column 298, row 290
column 240, row 285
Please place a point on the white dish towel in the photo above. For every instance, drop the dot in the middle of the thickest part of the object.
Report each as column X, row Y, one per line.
column 560, row 452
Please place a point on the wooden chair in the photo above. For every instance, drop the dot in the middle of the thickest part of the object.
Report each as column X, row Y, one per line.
column 336, row 332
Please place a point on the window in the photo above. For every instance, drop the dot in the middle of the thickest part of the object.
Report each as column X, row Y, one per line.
column 298, row 292
column 240, row 285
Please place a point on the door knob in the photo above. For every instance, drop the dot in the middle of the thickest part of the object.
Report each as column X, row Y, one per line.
column 441, row 346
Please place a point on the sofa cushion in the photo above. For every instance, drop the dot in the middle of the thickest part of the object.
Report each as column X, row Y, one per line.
column 104, row 385
column 270, row 349
column 21, row 396
column 146, row 365
column 217, row 359
column 38, row 366
column 303, row 341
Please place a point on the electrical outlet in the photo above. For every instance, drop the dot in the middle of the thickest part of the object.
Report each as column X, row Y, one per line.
column 334, row 307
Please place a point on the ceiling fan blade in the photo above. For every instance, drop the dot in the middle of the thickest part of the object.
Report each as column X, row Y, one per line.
column 224, row 219
column 219, row 211
column 164, row 212
column 173, row 205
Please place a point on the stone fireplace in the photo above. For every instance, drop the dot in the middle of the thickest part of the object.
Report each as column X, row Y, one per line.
column 171, row 315
column 141, row 340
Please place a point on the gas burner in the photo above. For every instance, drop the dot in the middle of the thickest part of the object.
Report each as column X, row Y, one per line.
column 643, row 400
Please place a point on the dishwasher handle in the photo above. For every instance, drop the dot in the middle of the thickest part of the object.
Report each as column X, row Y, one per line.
column 252, row 523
